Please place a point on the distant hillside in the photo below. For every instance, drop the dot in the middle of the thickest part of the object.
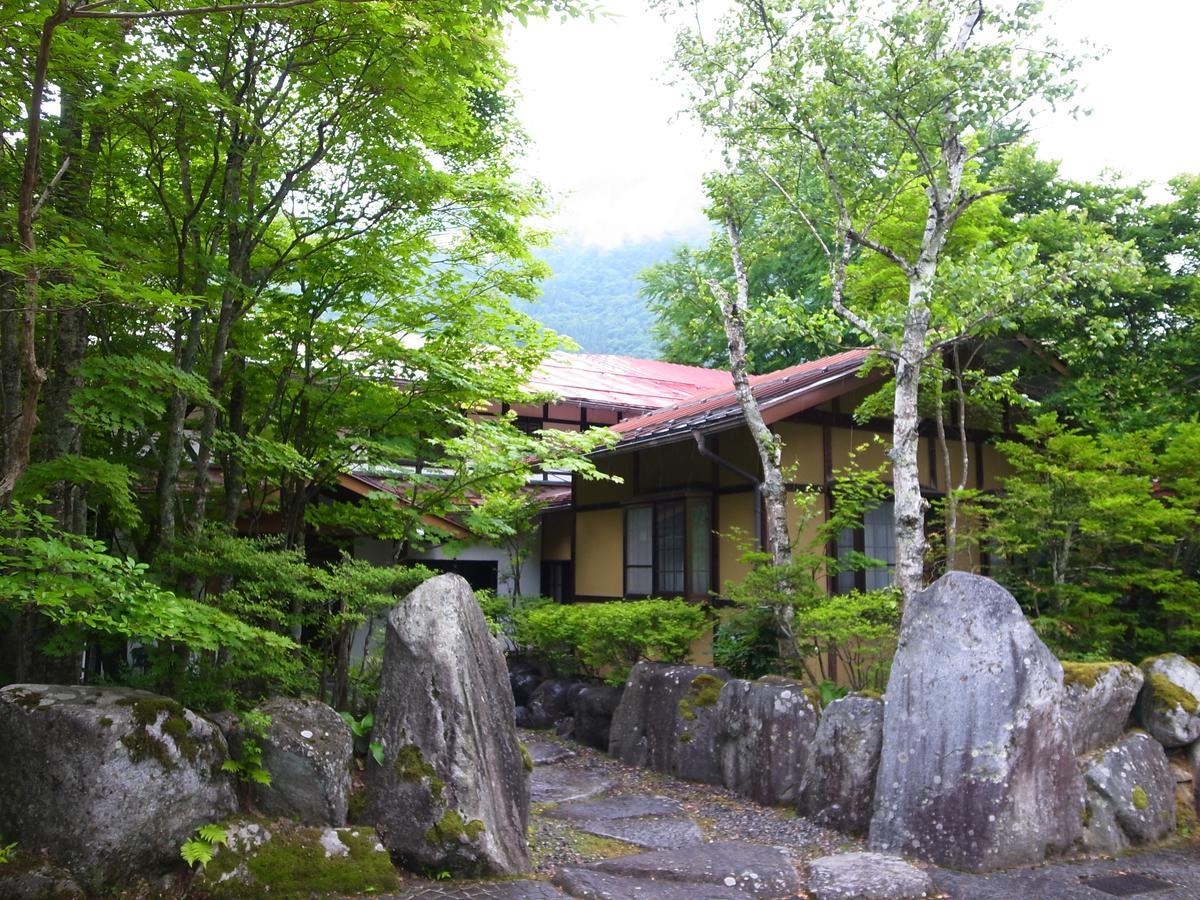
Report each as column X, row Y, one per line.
column 593, row 296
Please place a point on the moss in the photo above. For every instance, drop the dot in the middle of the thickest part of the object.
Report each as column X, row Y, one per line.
column 706, row 689
column 1168, row 695
column 526, row 759
column 105, row 722
column 869, row 694
column 292, row 865
column 686, row 737
column 1086, row 816
column 412, row 766
column 686, row 711
column 1086, row 674
column 29, row 700
column 145, row 710
column 1139, row 797
column 451, row 828
column 142, row 745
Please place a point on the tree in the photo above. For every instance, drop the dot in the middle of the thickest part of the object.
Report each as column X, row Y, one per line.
column 848, row 108
column 785, row 296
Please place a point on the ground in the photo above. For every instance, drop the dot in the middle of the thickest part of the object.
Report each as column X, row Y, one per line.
column 588, row 808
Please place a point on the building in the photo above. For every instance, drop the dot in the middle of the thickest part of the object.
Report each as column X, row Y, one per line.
column 584, row 390
column 690, row 480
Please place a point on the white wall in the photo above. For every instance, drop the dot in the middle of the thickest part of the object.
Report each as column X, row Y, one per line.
column 380, row 553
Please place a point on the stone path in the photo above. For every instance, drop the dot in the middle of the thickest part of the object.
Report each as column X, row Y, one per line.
column 594, row 821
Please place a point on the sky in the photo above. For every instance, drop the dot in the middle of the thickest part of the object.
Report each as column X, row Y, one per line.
column 623, row 165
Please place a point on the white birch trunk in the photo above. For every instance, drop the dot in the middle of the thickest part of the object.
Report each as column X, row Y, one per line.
column 774, row 489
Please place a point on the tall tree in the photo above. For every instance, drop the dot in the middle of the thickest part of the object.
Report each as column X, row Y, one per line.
column 847, row 106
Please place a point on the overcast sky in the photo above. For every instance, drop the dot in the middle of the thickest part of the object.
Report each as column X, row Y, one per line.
column 623, row 165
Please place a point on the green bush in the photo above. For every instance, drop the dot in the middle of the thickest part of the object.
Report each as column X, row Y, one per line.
column 606, row 639
column 747, row 644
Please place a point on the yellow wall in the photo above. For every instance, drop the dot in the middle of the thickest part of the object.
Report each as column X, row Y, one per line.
column 599, row 547
column 624, row 466
column 556, row 535
column 803, row 453
column 733, row 511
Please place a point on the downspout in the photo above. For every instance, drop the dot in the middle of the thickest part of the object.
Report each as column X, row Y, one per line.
column 702, row 446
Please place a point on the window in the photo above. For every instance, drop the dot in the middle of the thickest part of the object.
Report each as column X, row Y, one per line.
column 668, row 549
column 877, row 540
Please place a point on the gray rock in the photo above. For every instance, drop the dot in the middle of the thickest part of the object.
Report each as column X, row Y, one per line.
column 839, row 784
column 1169, row 705
column 1194, row 757
column 866, row 876
column 20, row 880
column 108, row 781
column 522, row 889
column 452, row 793
column 976, row 769
column 649, row 833
column 557, row 785
column 594, row 709
column 1098, row 699
column 656, row 823
column 767, row 728
column 281, row 858
column 546, row 753
column 754, row 869
column 549, row 703
column 308, row 750
column 587, row 884
column 668, row 721
column 523, row 678
column 618, row 808
column 1131, row 795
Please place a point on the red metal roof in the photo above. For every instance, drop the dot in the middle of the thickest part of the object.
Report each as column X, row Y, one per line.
column 780, row 394
column 623, row 382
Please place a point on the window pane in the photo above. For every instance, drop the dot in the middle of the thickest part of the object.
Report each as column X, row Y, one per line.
column 879, row 542
column 700, row 545
column 639, row 550
column 668, row 538
column 845, row 544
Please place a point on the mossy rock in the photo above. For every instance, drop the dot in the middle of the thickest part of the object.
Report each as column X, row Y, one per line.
column 1086, row 674
column 706, row 690
column 1168, row 695
column 452, row 828
column 287, row 861
column 171, row 721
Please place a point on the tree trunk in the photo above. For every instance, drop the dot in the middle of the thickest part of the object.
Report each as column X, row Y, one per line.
column 906, row 481
column 733, row 314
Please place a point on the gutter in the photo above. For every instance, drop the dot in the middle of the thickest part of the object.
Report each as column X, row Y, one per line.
column 702, row 446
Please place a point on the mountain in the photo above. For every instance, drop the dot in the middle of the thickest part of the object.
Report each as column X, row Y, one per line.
column 592, row 297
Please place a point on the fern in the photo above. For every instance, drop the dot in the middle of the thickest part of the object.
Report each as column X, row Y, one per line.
column 201, row 847
column 214, row 834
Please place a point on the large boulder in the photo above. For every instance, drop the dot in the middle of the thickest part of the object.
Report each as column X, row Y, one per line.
column 1169, row 706
column 108, row 781
column 839, row 783
column 668, row 721
column 1130, row 795
column 307, row 750
column 452, row 793
column 1098, row 699
column 976, row 769
column 767, row 727
column 595, row 707
column 550, row 703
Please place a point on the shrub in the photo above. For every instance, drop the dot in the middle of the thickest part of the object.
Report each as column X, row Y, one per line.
column 606, row 639
column 747, row 644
